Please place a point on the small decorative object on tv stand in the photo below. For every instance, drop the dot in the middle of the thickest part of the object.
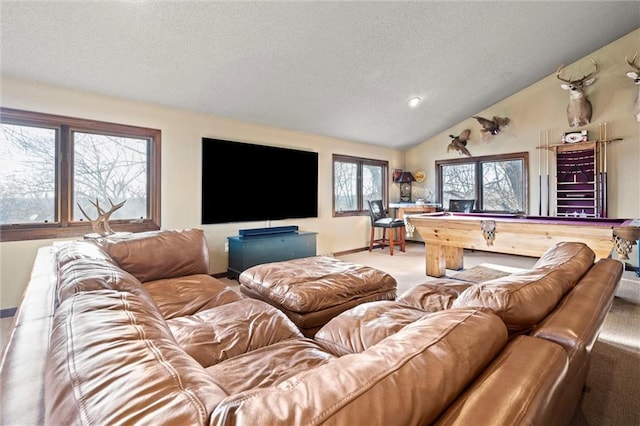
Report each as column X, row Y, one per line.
column 100, row 224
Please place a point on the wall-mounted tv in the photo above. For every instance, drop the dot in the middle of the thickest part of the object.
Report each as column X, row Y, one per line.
column 243, row 182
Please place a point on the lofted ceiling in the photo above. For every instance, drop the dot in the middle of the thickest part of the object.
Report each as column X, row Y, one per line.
column 339, row 69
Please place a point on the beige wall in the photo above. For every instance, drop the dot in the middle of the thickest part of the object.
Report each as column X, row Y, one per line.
column 542, row 107
column 538, row 107
column 182, row 133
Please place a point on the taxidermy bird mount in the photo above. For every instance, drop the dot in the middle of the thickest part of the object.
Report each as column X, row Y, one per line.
column 491, row 127
column 459, row 143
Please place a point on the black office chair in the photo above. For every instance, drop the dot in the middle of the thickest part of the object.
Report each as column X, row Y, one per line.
column 461, row 206
column 379, row 219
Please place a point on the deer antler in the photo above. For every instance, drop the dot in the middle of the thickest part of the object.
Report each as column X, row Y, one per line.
column 100, row 224
column 107, row 215
column 86, row 215
column 632, row 62
column 580, row 80
column 560, row 68
column 595, row 70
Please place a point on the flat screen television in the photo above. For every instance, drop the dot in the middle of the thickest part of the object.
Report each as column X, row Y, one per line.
column 244, row 182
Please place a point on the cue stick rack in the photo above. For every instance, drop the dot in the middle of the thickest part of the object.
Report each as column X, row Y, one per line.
column 580, row 188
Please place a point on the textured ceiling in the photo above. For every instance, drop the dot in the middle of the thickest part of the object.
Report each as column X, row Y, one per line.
column 340, row 69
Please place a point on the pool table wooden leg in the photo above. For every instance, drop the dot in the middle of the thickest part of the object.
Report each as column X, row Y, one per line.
column 435, row 260
column 454, row 258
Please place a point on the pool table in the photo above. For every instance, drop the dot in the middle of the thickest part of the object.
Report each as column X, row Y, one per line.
column 446, row 235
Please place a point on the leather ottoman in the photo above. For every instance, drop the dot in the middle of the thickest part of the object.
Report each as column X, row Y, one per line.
column 313, row 290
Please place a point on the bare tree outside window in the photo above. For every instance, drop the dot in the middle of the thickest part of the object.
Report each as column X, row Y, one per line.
column 27, row 174
column 110, row 167
column 356, row 180
column 458, row 182
column 496, row 182
column 502, row 185
column 372, row 177
column 345, row 186
column 50, row 163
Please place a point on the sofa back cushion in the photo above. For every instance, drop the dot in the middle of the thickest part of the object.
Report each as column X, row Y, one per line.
column 113, row 360
column 576, row 322
column 159, row 254
column 82, row 266
column 75, row 250
column 559, row 254
column 519, row 387
column 525, row 298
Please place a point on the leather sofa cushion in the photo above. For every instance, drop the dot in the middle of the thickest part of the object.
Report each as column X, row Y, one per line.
column 159, row 254
column 113, row 360
column 361, row 327
column 407, row 378
column 220, row 333
column 315, row 283
column 433, row 296
column 74, row 250
column 566, row 255
column 523, row 299
column 576, row 322
column 268, row 366
column 91, row 272
column 190, row 294
column 530, row 368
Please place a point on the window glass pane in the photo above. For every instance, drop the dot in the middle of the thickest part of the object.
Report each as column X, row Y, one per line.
column 372, row 182
column 502, row 185
column 27, row 174
column 458, row 182
column 357, row 180
column 109, row 167
column 345, row 186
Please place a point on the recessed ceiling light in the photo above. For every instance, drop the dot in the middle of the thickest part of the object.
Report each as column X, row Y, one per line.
column 413, row 102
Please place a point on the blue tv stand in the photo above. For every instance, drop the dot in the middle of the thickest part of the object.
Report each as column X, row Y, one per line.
column 264, row 245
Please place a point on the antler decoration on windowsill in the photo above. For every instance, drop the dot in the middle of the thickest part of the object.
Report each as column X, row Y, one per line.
column 100, row 224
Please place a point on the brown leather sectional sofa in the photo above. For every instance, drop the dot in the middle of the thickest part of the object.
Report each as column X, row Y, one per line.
column 136, row 332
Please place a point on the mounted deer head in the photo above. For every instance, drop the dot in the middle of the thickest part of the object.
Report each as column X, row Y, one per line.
column 635, row 75
column 100, row 224
column 579, row 108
